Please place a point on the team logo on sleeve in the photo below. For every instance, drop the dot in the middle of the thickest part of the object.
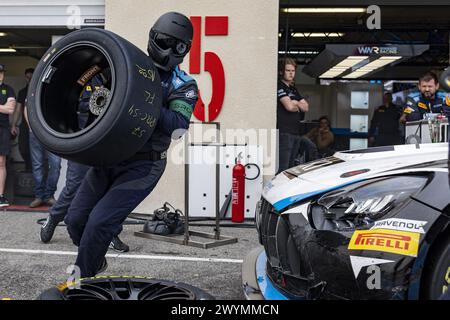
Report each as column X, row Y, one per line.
column 408, row 110
column 447, row 100
column 190, row 94
column 422, row 105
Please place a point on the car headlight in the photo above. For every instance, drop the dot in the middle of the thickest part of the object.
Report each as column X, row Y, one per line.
column 362, row 203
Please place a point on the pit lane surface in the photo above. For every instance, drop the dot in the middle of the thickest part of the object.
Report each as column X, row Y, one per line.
column 27, row 266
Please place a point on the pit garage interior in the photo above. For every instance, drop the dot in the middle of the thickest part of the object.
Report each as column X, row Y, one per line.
column 417, row 35
column 422, row 37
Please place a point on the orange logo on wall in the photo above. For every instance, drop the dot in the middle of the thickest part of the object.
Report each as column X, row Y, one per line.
column 399, row 242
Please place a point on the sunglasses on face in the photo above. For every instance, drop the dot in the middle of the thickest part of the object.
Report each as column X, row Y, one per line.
column 165, row 42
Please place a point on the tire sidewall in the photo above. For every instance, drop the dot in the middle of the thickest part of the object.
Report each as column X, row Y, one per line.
column 108, row 140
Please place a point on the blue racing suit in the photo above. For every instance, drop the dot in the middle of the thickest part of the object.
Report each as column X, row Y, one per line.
column 417, row 105
column 108, row 195
column 76, row 171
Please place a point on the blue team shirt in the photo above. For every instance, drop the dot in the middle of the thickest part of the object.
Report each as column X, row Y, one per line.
column 417, row 105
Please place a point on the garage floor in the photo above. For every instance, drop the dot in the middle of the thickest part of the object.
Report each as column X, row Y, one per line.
column 27, row 266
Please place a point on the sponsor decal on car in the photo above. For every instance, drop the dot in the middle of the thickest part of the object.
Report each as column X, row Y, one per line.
column 393, row 241
column 401, row 225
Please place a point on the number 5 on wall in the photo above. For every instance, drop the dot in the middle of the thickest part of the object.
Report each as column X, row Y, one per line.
column 214, row 26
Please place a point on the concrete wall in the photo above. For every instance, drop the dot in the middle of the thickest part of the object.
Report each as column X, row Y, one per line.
column 248, row 54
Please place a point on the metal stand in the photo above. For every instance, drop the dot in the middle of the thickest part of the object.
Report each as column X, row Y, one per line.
column 223, row 240
column 218, row 239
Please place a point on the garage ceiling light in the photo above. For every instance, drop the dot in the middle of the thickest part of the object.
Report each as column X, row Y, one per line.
column 342, row 66
column 371, row 66
column 377, row 55
column 317, row 34
column 351, row 61
column 7, row 50
column 324, row 10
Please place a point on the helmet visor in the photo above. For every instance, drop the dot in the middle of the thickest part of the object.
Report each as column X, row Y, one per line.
column 165, row 42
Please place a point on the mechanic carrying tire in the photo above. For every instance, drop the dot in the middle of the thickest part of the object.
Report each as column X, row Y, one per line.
column 76, row 171
column 109, row 193
column 122, row 115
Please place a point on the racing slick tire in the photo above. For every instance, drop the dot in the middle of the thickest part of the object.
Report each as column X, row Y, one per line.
column 125, row 288
column 437, row 273
column 122, row 115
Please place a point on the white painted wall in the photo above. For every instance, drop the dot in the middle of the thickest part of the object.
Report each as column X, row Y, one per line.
column 249, row 57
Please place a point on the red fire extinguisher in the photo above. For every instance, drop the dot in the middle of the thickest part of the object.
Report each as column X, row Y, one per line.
column 238, row 192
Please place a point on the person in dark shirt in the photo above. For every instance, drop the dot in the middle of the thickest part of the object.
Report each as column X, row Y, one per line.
column 22, row 130
column 384, row 127
column 108, row 195
column 7, row 105
column 291, row 108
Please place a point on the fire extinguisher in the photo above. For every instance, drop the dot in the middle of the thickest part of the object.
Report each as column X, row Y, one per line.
column 238, row 191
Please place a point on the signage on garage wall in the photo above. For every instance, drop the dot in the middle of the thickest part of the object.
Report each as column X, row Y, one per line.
column 383, row 50
column 72, row 14
column 214, row 26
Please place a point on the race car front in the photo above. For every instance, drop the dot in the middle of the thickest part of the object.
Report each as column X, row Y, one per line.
column 366, row 224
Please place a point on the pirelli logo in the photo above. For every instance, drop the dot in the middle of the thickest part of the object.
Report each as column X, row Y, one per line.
column 398, row 242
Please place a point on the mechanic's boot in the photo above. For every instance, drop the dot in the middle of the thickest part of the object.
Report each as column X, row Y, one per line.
column 103, row 266
column 36, row 203
column 3, row 201
column 117, row 245
column 48, row 229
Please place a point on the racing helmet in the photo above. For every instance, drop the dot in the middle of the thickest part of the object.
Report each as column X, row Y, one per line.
column 170, row 40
